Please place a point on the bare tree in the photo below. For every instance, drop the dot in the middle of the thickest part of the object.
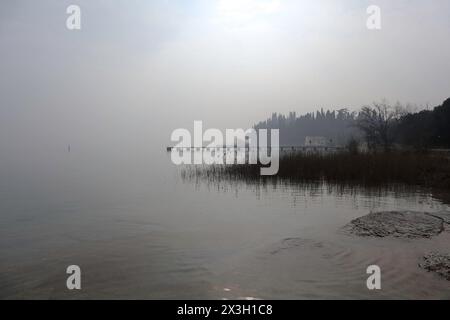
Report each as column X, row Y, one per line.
column 377, row 121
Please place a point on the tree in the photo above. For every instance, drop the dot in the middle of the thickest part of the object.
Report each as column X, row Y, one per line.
column 425, row 129
column 442, row 122
column 377, row 122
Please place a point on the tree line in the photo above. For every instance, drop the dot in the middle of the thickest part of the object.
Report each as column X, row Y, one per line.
column 380, row 125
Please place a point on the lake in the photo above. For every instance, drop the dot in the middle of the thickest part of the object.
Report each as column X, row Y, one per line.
column 138, row 229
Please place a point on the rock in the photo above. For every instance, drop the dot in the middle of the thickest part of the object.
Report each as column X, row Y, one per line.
column 437, row 263
column 444, row 215
column 400, row 224
column 290, row 243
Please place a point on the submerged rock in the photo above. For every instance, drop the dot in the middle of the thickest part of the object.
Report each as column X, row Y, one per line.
column 400, row 224
column 437, row 263
column 444, row 215
column 290, row 243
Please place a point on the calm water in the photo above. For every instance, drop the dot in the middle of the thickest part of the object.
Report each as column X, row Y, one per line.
column 138, row 230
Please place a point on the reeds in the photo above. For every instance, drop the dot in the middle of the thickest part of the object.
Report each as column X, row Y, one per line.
column 379, row 168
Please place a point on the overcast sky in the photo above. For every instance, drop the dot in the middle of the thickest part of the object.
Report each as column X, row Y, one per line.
column 139, row 69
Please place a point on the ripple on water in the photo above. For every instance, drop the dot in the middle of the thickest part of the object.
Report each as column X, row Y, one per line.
column 317, row 269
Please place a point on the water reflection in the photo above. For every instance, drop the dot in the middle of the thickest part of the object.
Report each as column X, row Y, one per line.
column 215, row 178
column 317, row 260
column 152, row 231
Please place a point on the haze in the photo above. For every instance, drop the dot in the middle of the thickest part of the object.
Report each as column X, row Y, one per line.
column 139, row 69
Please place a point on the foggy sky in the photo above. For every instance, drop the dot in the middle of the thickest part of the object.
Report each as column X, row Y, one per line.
column 139, row 69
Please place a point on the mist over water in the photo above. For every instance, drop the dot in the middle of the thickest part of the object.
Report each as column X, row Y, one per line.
column 86, row 116
column 138, row 229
